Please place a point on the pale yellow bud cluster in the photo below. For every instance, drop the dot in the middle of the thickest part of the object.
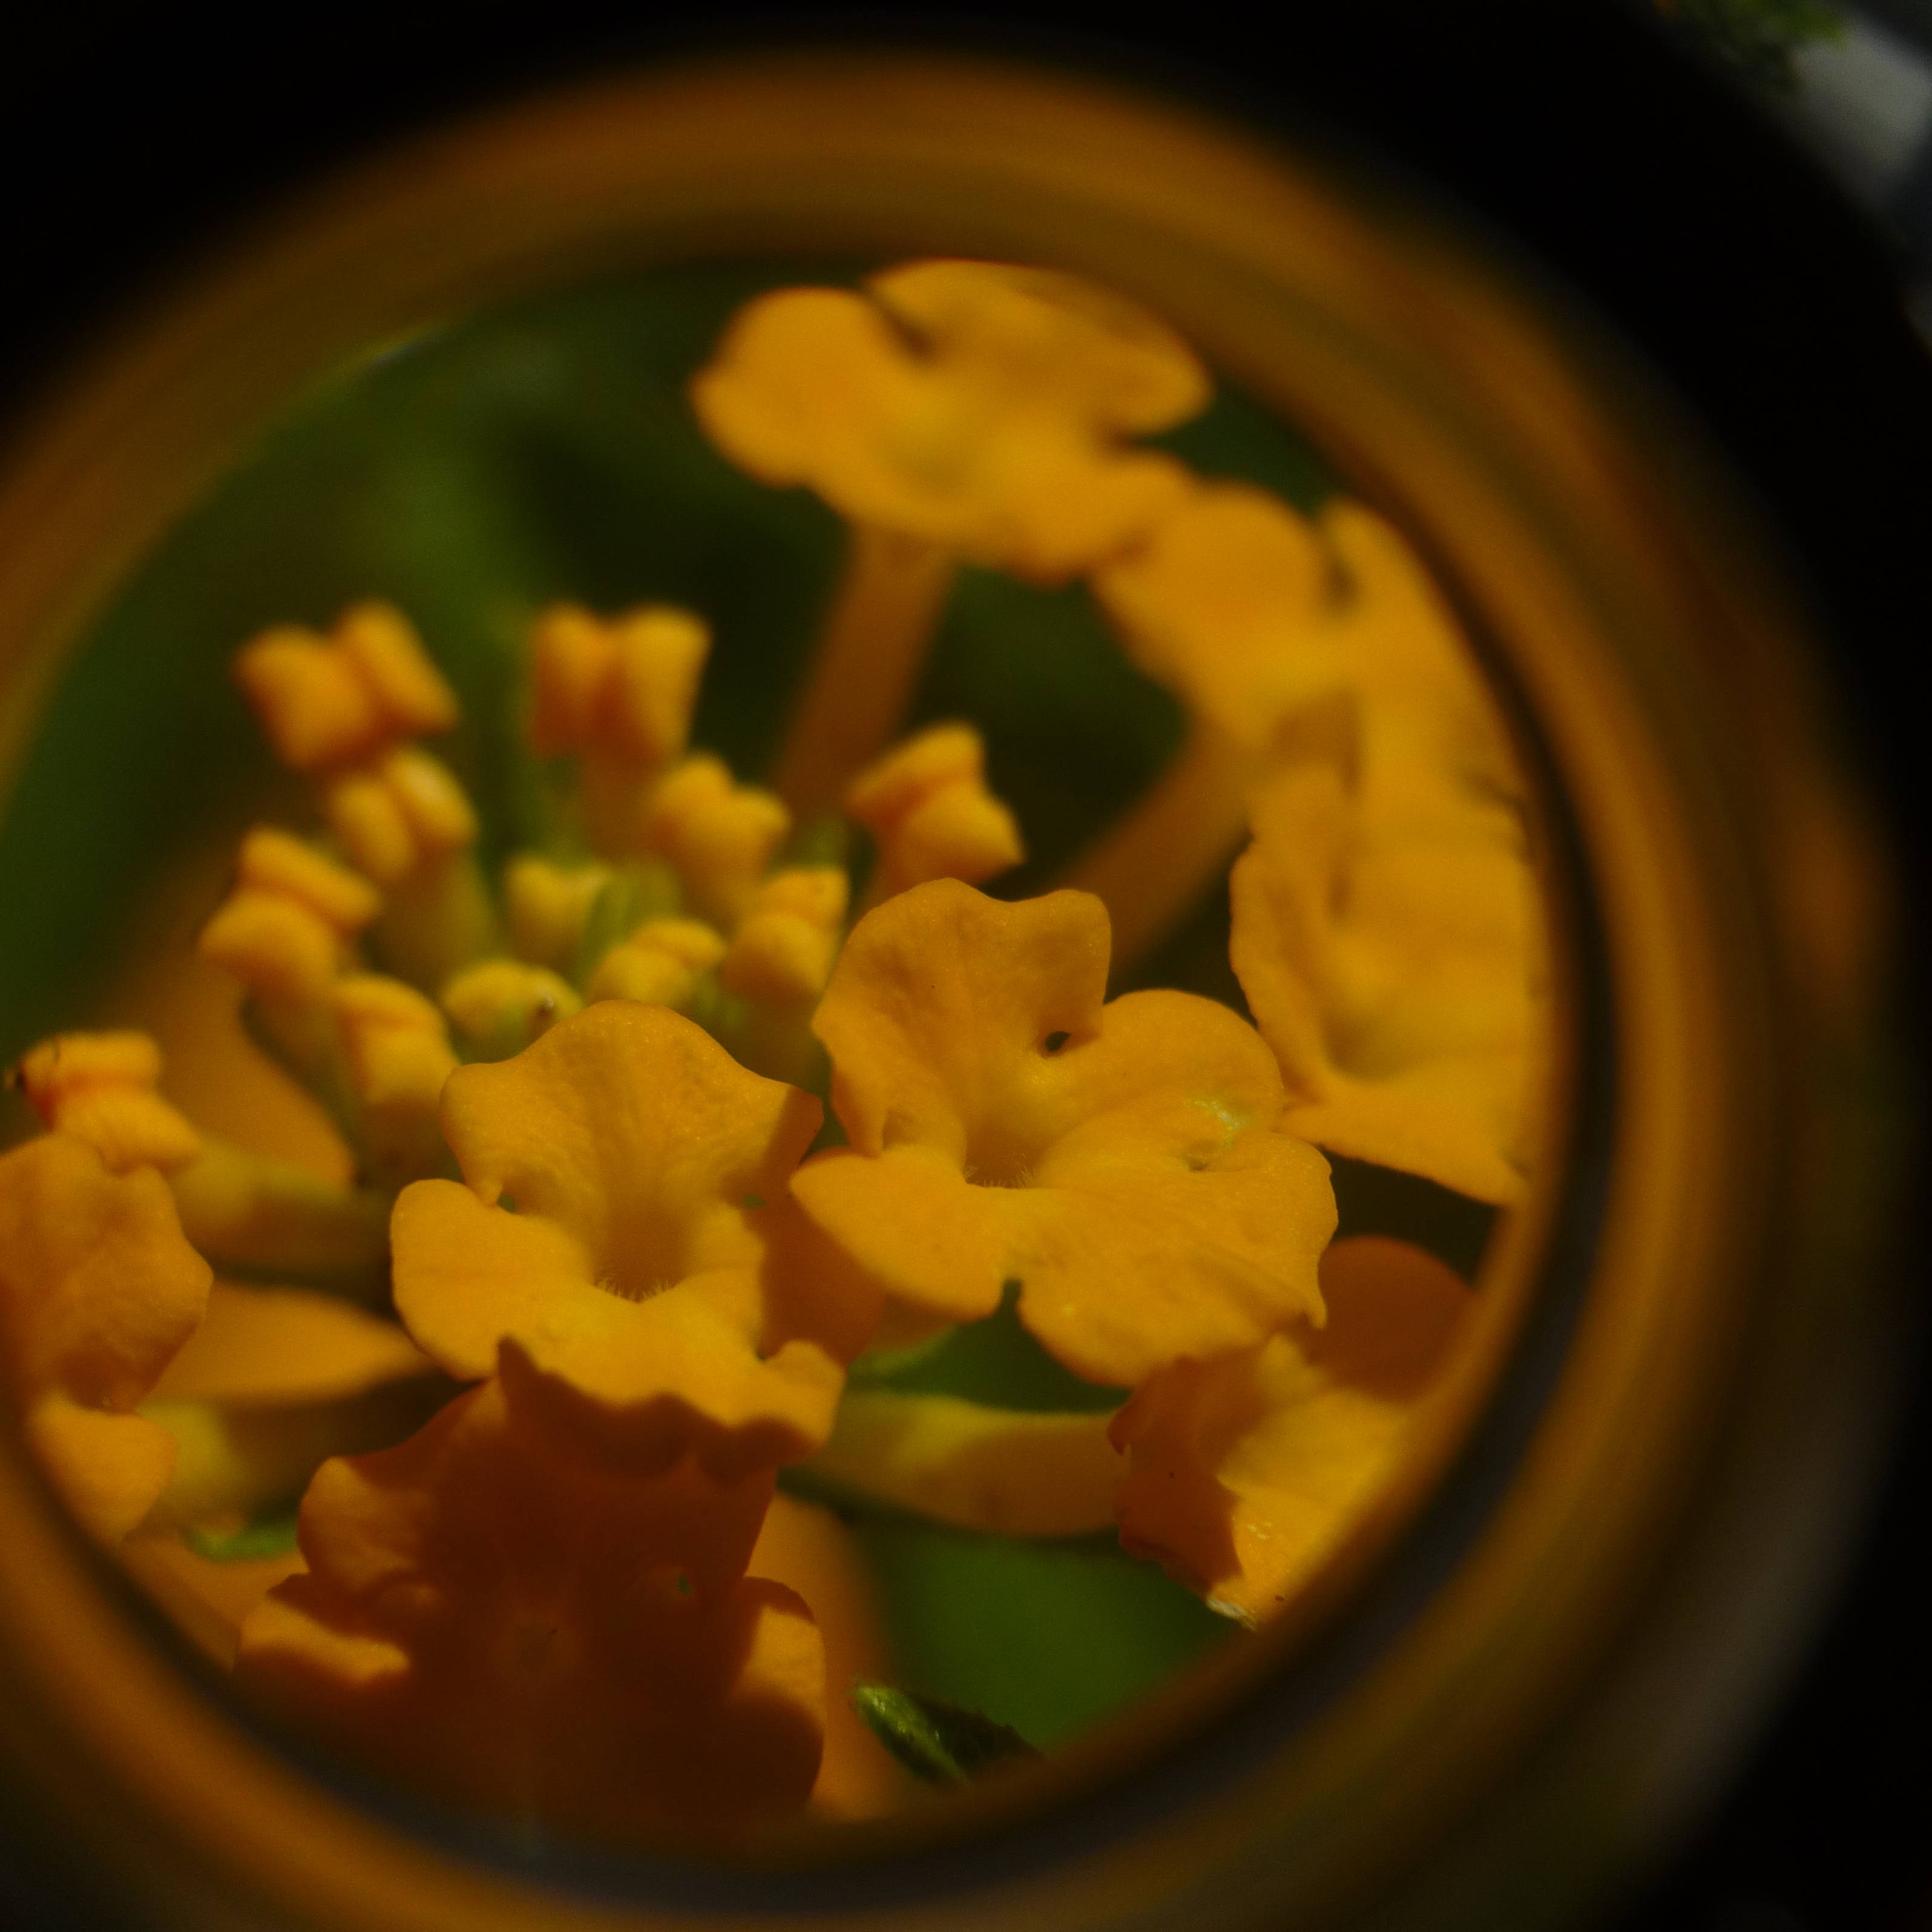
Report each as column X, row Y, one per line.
column 926, row 804
column 99, row 1087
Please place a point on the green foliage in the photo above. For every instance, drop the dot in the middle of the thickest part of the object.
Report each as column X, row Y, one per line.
column 939, row 1742
column 1049, row 1637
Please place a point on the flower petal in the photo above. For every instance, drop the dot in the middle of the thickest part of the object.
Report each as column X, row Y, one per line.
column 281, row 1345
column 1391, row 955
column 1005, row 1472
column 941, row 1005
column 1128, row 1265
column 912, row 1221
column 1247, row 1473
column 631, row 1128
column 109, row 1468
column 98, row 1288
column 494, row 1617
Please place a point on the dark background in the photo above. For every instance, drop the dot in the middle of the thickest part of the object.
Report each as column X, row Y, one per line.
column 1580, row 130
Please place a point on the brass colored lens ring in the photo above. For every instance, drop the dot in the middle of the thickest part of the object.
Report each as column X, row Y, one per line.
column 1675, row 1433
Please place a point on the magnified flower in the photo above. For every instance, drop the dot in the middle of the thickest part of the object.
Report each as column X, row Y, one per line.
column 645, row 1268
column 491, row 1614
column 1390, row 950
column 97, row 1290
column 1247, row 1471
column 954, row 409
column 1120, row 1161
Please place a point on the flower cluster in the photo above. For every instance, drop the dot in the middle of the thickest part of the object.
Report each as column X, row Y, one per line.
column 603, row 1267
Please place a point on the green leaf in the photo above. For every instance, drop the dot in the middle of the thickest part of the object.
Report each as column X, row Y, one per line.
column 272, row 1535
column 944, row 1744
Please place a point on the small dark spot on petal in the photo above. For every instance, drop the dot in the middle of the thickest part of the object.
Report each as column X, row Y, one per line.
column 1054, row 1042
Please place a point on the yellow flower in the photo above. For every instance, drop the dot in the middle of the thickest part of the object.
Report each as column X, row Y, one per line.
column 399, row 815
column 97, row 1290
column 1120, row 1162
column 333, row 701
column 1391, row 951
column 1260, row 618
column 625, row 685
column 489, row 1616
column 926, row 804
column 624, row 1229
column 981, row 407
column 1385, row 918
column 99, row 1087
column 1247, row 1472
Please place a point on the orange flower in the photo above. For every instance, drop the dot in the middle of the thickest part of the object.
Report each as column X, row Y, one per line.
column 1390, row 950
column 286, row 929
column 980, row 407
column 545, row 906
column 660, row 964
column 1260, row 618
column 1246, row 1473
column 395, row 1047
column 615, row 1233
column 1120, row 1162
column 97, row 1290
column 507, row 1626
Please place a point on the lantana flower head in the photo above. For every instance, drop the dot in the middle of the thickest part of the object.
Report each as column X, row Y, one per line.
column 977, row 406
column 624, row 1229
column 1120, row 1161
column 489, row 1614
column 97, row 1292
